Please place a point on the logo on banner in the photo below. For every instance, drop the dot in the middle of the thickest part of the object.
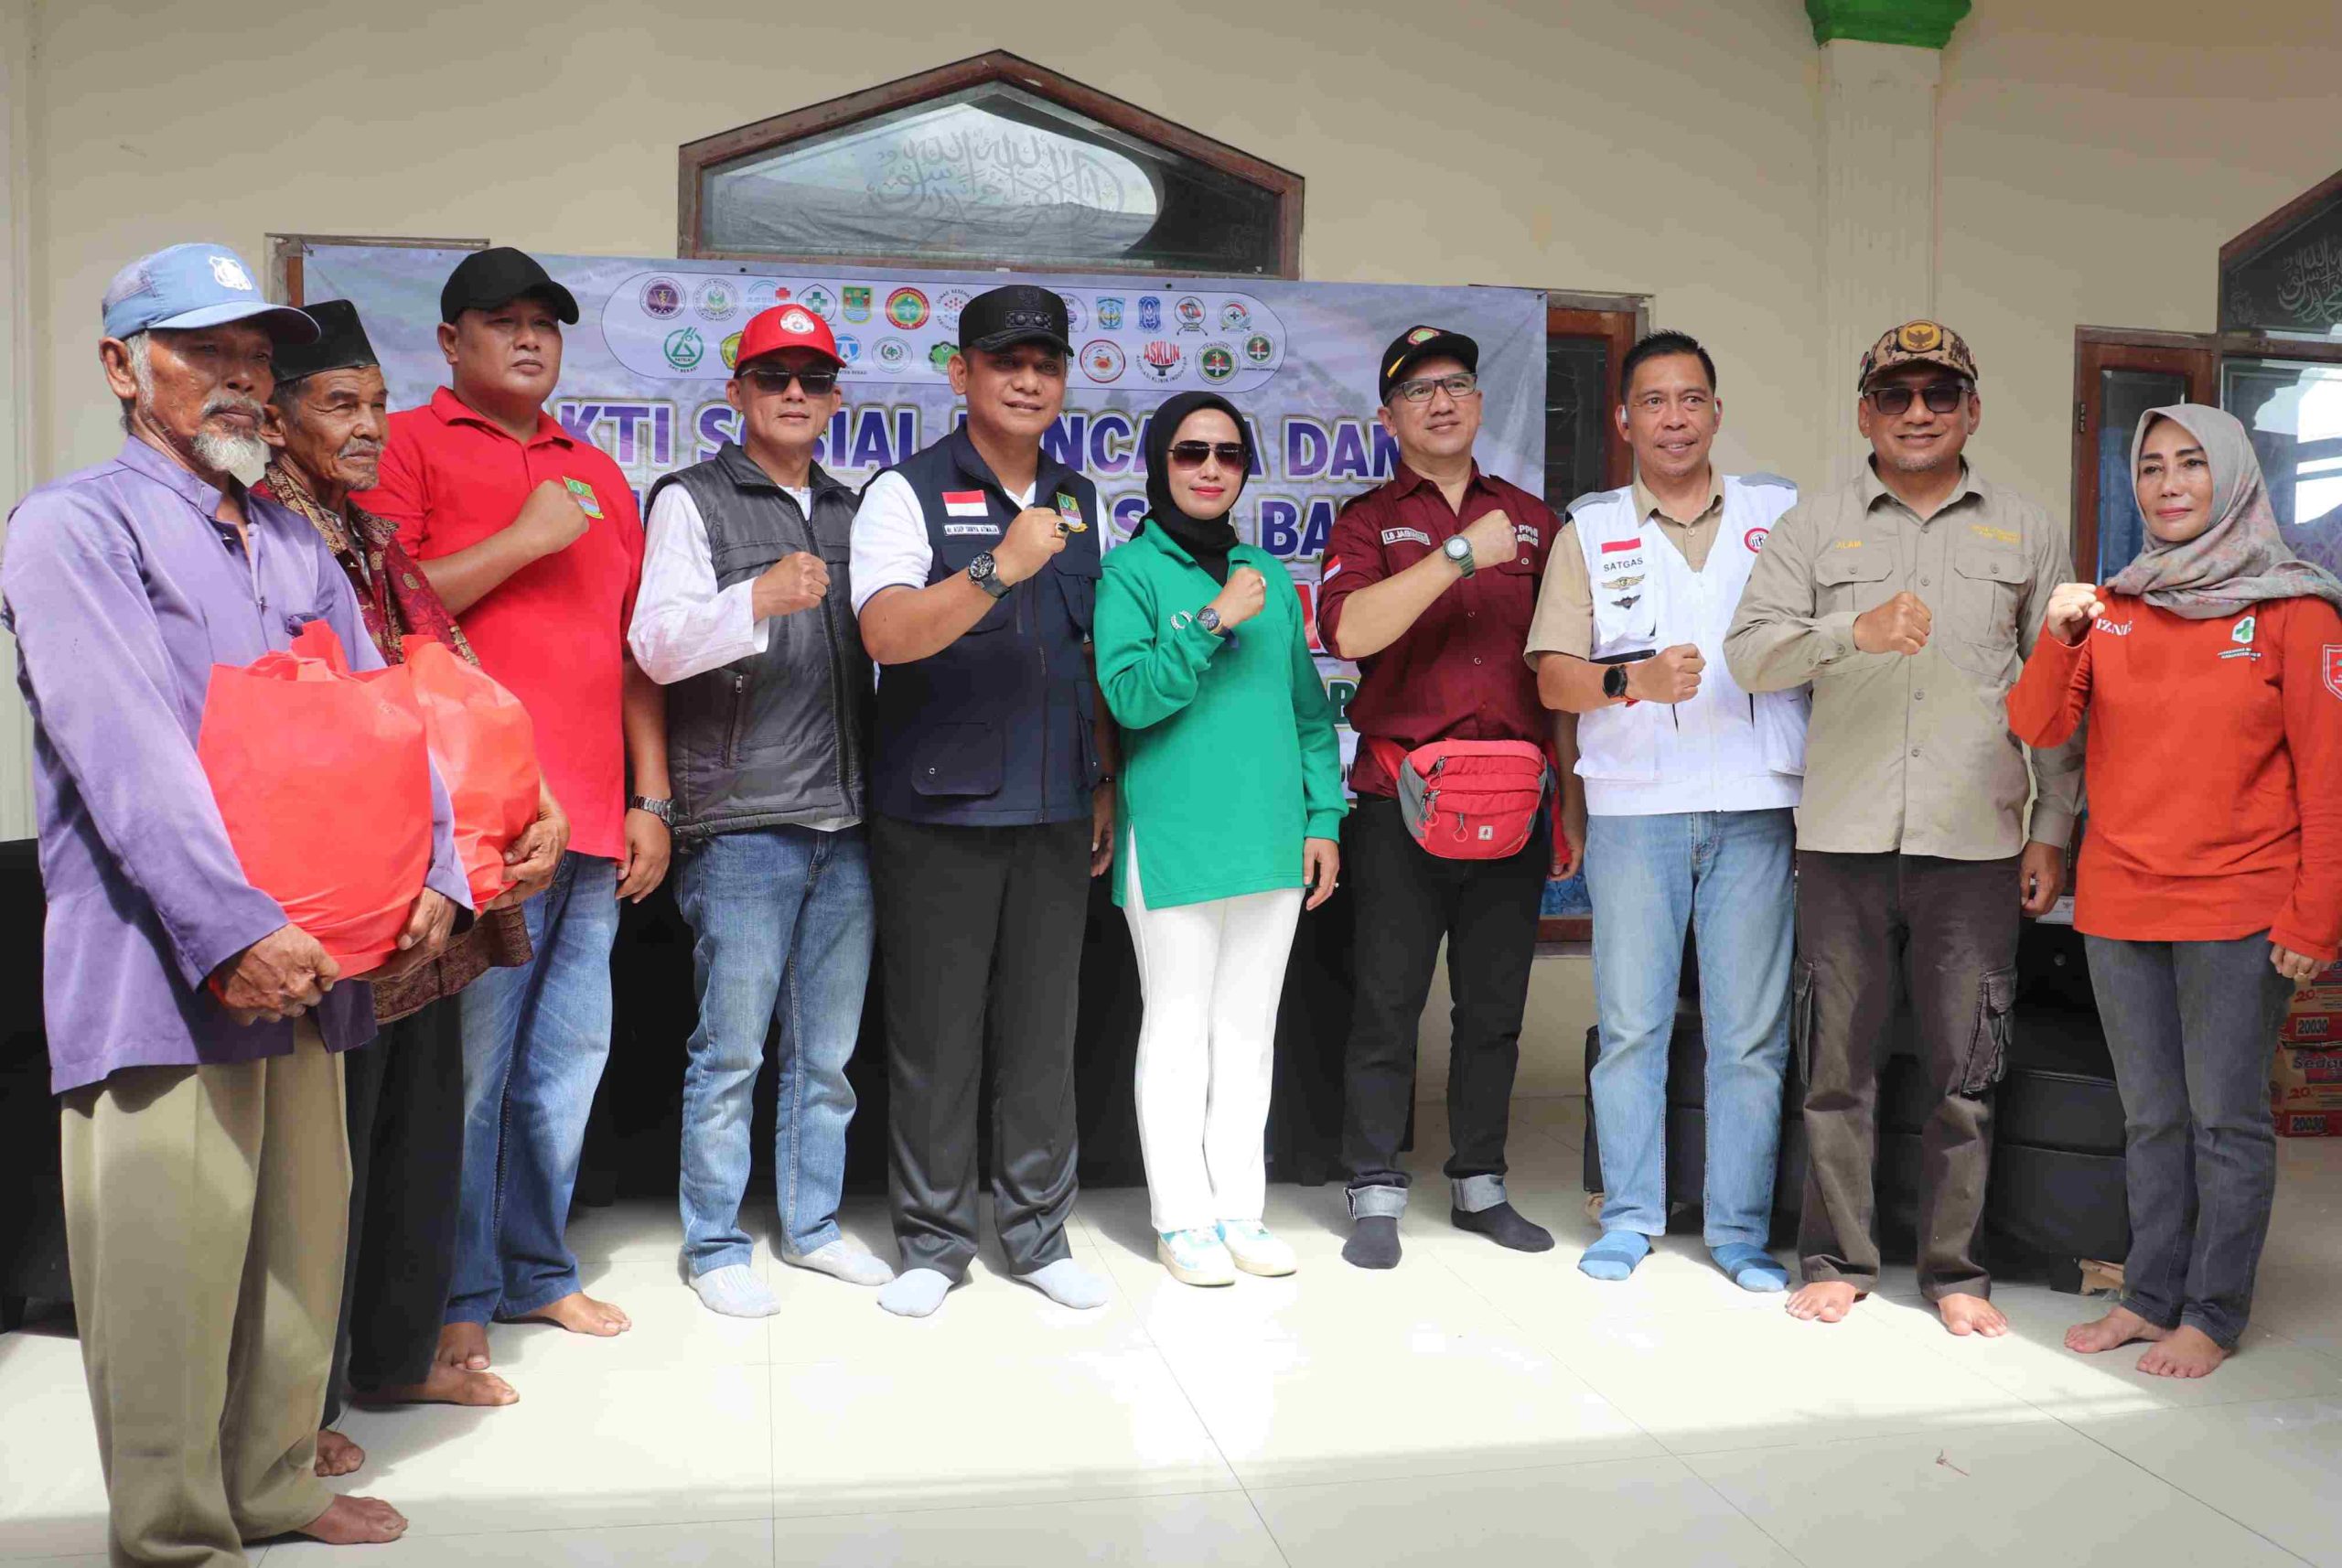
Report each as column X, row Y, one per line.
column 1216, row 361
column 947, row 305
column 906, row 308
column 1191, row 313
column 1150, row 313
column 1102, row 362
column 2333, row 663
column 1234, row 318
column 1162, row 361
column 965, row 503
column 819, row 301
column 663, row 298
column 1259, row 350
column 1110, row 314
column 857, row 302
column 1076, row 320
column 892, row 353
column 849, row 348
column 715, row 300
column 780, row 293
column 730, row 350
column 1755, row 539
column 940, row 356
column 684, row 348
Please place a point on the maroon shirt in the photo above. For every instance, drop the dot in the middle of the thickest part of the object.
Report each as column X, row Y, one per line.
column 1456, row 673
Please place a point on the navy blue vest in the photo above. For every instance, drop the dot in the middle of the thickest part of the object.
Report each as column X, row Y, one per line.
column 996, row 730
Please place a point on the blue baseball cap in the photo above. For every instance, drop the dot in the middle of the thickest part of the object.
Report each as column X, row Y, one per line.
column 187, row 286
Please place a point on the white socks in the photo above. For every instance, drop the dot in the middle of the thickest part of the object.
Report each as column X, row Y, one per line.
column 916, row 1292
column 1068, row 1284
column 840, row 1262
column 736, row 1292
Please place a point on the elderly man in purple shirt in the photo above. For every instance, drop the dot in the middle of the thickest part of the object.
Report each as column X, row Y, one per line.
column 205, row 1156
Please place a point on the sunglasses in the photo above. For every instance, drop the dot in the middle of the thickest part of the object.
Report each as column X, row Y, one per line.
column 1191, row 453
column 1942, row 397
column 1463, row 383
column 772, row 383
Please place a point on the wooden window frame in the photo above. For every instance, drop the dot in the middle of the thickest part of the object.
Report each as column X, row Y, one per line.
column 694, row 158
column 2191, row 355
column 2324, row 193
column 288, row 280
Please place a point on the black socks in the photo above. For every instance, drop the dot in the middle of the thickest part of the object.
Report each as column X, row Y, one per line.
column 1374, row 1242
column 1504, row 1225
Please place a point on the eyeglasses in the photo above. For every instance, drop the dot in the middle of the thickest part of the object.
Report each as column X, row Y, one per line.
column 775, row 382
column 1463, row 383
column 1191, row 453
column 1941, row 397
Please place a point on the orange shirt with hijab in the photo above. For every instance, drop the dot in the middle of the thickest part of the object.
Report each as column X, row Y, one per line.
column 2213, row 767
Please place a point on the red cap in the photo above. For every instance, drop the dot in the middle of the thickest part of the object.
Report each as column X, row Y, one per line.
column 786, row 327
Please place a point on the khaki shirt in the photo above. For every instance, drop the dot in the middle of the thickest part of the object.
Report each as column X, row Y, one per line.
column 1564, row 619
column 1911, row 754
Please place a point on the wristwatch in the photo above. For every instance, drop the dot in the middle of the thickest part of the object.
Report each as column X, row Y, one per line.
column 1614, row 682
column 984, row 573
column 1208, row 618
column 662, row 809
column 1459, row 549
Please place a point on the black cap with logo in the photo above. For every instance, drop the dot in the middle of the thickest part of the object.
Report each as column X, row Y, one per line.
column 486, row 279
column 1416, row 345
column 1016, row 313
column 341, row 344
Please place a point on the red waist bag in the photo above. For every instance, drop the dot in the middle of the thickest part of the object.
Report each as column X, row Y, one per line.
column 1467, row 800
column 486, row 751
column 324, row 782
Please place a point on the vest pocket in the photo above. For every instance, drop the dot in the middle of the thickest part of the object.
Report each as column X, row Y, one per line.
column 1622, row 743
column 1988, row 1047
column 960, row 760
column 1780, row 729
column 736, row 727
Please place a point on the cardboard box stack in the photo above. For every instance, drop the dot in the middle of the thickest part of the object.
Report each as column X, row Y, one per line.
column 2306, row 1082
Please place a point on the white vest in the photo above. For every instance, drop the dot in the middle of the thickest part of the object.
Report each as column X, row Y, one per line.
column 1724, row 750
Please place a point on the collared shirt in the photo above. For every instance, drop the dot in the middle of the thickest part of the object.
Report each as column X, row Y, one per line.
column 891, row 547
column 1564, row 619
column 124, row 592
column 1456, row 673
column 554, row 633
column 1912, row 754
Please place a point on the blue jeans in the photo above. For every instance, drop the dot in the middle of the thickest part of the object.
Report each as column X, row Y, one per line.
column 534, row 1041
column 1728, row 876
column 785, row 923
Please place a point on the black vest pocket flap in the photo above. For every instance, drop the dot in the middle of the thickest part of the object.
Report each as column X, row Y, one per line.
column 959, row 759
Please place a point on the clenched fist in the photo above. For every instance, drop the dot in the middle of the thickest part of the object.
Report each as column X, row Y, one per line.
column 1671, row 676
column 1241, row 598
column 1032, row 538
column 791, row 584
column 1899, row 626
column 553, row 518
column 281, row 976
column 2073, row 607
column 1492, row 541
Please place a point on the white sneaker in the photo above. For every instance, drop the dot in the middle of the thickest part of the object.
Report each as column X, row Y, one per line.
column 1254, row 1249
column 1195, row 1257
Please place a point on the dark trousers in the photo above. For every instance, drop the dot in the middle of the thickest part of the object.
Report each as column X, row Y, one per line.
column 980, row 933
column 403, row 1098
column 1408, row 901
column 2191, row 1027
column 1953, row 924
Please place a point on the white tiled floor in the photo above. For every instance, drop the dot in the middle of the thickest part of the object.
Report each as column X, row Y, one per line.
column 1474, row 1407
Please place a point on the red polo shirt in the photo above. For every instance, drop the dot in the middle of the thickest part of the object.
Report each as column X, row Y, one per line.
column 554, row 632
column 1456, row 673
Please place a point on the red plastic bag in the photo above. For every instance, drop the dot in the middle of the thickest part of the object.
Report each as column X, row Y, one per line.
column 324, row 781
column 486, row 751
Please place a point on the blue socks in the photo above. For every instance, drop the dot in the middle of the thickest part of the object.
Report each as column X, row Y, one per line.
column 1615, row 1256
column 1750, row 1268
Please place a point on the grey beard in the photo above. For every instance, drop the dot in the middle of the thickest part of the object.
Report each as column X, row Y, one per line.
column 246, row 457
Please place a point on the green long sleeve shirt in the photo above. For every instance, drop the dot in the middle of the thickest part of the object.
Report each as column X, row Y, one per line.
column 1229, row 759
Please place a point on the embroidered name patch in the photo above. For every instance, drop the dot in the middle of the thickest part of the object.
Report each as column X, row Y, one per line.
column 1413, row 535
column 966, row 529
column 1526, row 533
column 1997, row 535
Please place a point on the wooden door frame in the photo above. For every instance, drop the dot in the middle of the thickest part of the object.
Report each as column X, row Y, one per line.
column 2193, row 356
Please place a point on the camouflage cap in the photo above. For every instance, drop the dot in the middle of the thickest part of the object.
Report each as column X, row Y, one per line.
column 1919, row 343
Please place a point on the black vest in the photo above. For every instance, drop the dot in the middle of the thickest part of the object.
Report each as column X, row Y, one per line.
column 779, row 737
column 997, row 729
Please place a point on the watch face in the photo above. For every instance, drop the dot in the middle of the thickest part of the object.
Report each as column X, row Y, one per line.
column 1457, row 546
column 981, row 568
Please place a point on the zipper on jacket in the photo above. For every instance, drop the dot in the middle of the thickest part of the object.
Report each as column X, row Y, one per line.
column 838, row 718
column 739, row 718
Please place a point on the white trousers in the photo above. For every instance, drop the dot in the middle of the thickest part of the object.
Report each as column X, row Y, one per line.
column 1211, row 974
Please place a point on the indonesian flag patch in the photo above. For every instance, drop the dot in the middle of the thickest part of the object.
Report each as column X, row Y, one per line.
column 964, row 503
column 1611, row 546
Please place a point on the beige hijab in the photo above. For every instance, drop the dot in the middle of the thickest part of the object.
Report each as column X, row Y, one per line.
column 2239, row 561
